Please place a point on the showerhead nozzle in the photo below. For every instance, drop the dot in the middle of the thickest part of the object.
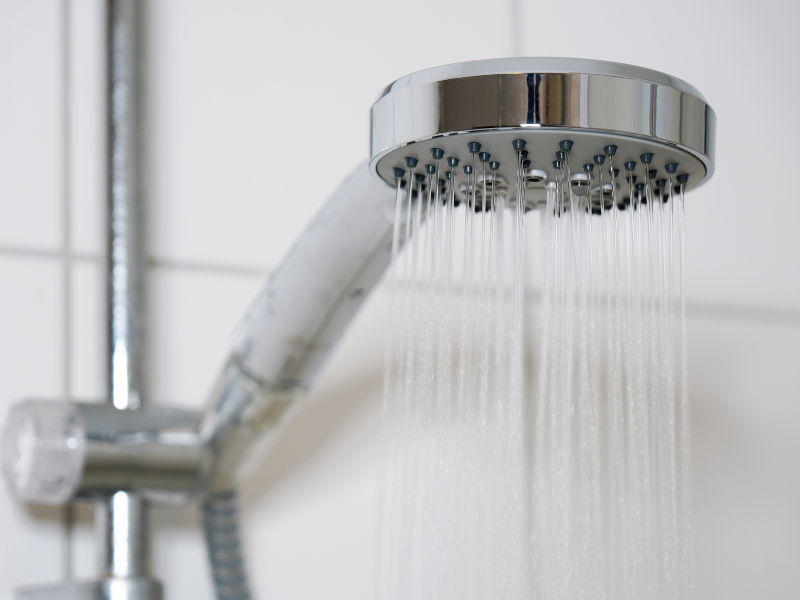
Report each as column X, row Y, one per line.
column 580, row 184
column 514, row 124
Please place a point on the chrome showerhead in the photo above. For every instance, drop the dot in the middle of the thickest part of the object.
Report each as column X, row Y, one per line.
column 527, row 115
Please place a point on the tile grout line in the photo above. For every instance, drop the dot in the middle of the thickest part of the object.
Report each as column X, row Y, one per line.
column 66, row 253
column 24, row 252
column 157, row 263
column 786, row 316
column 66, row 202
column 516, row 27
column 178, row 265
column 696, row 308
column 761, row 315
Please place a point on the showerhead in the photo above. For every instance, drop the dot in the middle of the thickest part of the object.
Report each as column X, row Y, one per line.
column 575, row 111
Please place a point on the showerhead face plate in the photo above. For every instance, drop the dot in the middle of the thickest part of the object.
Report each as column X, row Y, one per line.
column 544, row 101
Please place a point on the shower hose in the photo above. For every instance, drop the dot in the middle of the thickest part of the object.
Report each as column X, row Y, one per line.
column 221, row 524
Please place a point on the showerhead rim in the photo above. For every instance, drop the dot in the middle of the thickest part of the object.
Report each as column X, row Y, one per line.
column 542, row 65
column 526, row 95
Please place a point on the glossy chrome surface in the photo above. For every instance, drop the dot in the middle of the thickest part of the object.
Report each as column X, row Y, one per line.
column 125, row 544
column 125, row 239
column 124, row 534
column 547, row 64
column 526, row 97
column 154, row 452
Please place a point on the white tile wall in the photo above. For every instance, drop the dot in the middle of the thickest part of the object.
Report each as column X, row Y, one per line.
column 255, row 112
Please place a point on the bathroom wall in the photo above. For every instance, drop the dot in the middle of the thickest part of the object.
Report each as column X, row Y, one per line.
column 255, row 112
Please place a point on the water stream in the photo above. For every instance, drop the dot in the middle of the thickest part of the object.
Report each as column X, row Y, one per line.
column 567, row 478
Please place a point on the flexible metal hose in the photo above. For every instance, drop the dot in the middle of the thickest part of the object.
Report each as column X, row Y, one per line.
column 221, row 524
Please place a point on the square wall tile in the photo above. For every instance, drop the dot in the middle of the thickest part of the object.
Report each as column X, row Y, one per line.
column 741, row 240
column 258, row 111
column 191, row 316
column 31, row 543
column 178, row 553
column 30, row 124
column 30, row 328
column 745, row 387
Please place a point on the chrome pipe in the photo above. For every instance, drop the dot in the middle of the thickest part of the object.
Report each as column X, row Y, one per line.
column 123, row 533
column 125, row 275
column 124, row 529
column 154, row 452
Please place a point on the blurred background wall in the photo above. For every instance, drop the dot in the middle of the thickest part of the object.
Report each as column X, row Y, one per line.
column 237, row 91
